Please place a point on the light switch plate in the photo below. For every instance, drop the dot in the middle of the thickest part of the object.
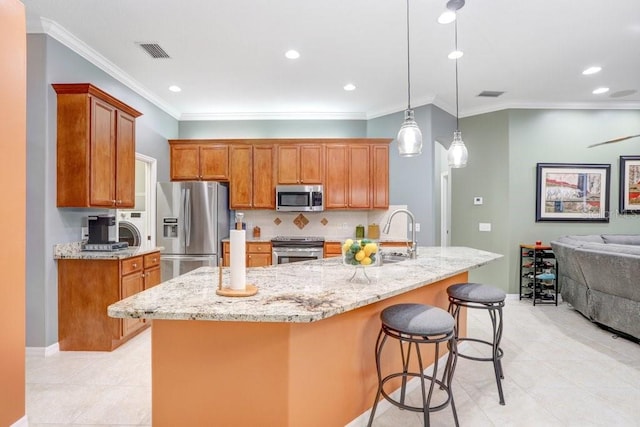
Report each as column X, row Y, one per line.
column 477, row 200
column 484, row 226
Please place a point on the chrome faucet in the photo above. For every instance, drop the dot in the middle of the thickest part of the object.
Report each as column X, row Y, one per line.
column 413, row 250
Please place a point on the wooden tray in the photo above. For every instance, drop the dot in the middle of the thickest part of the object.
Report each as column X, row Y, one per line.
column 247, row 292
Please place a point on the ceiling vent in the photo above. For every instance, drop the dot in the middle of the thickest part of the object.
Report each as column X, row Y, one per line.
column 154, row 50
column 490, row 93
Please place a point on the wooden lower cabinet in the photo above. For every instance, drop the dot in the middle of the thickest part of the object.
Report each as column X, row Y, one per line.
column 87, row 287
column 258, row 254
column 332, row 249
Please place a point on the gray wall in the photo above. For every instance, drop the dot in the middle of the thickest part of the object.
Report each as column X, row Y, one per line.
column 487, row 176
column 412, row 179
column 49, row 62
column 273, row 129
column 504, row 148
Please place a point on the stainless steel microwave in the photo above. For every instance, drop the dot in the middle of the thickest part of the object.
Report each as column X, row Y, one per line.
column 299, row 198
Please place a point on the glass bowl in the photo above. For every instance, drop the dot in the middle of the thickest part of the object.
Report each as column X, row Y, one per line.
column 360, row 253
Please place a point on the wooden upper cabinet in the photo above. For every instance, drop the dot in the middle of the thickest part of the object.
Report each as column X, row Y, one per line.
column 264, row 189
column 300, row 163
column 336, row 177
column 125, row 159
column 251, row 183
column 359, row 171
column 199, row 161
column 214, row 162
column 185, row 162
column 357, row 176
column 95, row 148
column 380, row 176
column 241, row 178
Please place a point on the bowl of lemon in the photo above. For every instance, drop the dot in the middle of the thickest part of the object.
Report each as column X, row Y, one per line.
column 360, row 253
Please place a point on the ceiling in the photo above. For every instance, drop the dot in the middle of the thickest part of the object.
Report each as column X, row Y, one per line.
column 228, row 56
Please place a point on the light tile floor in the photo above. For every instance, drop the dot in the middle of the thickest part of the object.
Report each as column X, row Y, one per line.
column 560, row 370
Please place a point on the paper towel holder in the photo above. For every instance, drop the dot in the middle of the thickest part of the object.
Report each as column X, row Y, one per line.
column 248, row 290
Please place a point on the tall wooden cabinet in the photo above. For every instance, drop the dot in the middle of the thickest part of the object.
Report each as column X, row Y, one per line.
column 203, row 161
column 251, row 180
column 95, row 148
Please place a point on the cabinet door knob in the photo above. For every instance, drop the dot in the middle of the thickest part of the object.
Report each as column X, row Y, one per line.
column 135, row 265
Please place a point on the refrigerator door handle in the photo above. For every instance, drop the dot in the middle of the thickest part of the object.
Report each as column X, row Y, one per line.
column 187, row 218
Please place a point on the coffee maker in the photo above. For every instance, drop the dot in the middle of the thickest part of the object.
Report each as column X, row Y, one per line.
column 102, row 234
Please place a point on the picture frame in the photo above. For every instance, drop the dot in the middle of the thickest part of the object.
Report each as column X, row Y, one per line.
column 576, row 192
column 629, row 200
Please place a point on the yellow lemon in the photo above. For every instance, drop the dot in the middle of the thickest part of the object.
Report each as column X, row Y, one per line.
column 360, row 256
column 346, row 247
column 348, row 242
column 370, row 248
column 366, row 261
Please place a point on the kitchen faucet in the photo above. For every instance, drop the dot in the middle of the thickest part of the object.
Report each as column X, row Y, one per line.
column 413, row 250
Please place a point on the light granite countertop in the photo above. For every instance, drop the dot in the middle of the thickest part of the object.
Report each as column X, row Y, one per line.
column 298, row 292
column 74, row 250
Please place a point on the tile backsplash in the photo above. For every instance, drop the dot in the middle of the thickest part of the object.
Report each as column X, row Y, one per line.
column 336, row 225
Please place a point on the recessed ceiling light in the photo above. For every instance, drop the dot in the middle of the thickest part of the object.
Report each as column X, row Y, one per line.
column 447, row 17
column 292, row 54
column 455, row 54
column 349, row 87
column 174, row 88
column 601, row 90
column 591, row 70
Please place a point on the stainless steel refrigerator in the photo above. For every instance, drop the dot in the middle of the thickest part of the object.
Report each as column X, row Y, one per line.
column 192, row 219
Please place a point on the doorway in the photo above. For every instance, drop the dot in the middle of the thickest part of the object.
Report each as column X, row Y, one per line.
column 146, row 180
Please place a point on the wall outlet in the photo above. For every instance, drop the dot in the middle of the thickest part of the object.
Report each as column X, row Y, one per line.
column 484, row 226
column 477, row 200
column 84, row 233
column 417, row 227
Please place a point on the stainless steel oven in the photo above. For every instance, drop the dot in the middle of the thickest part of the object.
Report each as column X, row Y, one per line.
column 288, row 249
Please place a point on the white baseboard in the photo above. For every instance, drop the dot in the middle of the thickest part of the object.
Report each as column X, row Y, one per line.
column 384, row 405
column 43, row 351
column 22, row 422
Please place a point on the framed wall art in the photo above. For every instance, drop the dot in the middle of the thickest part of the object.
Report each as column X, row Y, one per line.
column 572, row 192
column 629, row 185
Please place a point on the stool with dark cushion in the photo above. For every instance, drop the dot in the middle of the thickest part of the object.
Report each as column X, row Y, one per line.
column 478, row 296
column 417, row 324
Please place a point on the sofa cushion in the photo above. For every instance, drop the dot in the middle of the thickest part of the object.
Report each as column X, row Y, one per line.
column 622, row 239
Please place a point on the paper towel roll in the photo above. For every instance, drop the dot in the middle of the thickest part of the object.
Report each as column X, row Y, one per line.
column 237, row 241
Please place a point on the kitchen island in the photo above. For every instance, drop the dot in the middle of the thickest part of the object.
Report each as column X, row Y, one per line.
column 298, row 353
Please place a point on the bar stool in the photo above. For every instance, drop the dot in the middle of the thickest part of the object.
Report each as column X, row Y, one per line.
column 417, row 324
column 478, row 296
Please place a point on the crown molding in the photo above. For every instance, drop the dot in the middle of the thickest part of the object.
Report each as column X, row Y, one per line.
column 272, row 116
column 520, row 105
column 59, row 33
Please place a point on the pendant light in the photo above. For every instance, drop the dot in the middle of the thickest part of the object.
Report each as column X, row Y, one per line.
column 457, row 154
column 409, row 136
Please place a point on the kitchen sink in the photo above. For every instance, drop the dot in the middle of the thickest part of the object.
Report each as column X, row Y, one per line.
column 392, row 258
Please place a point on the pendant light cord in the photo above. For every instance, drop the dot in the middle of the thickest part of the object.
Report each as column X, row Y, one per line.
column 456, row 48
column 408, row 64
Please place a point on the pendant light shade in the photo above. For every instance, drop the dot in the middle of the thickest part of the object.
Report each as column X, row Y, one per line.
column 457, row 154
column 409, row 136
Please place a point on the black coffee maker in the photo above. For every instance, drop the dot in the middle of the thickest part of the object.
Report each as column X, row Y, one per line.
column 102, row 229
